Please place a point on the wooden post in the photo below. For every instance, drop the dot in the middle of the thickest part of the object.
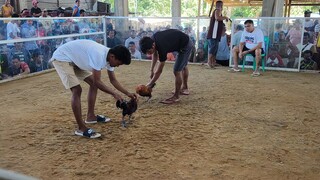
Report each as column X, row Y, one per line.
column 211, row 8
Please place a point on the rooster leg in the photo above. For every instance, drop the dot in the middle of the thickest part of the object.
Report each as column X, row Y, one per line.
column 123, row 122
column 129, row 121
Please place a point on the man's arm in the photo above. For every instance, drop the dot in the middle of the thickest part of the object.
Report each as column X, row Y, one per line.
column 118, row 86
column 100, row 85
column 155, row 58
column 218, row 16
column 157, row 73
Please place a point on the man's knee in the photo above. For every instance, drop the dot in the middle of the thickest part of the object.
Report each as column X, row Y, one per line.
column 258, row 53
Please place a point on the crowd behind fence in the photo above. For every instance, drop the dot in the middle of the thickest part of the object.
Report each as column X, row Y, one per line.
column 30, row 42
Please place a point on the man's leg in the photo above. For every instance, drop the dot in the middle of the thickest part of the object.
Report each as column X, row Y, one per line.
column 185, row 76
column 235, row 53
column 258, row 58
column 178, row 83
column 76, row 106
column 92, row 95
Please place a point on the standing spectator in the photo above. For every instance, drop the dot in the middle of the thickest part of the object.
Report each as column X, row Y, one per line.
column 13, row 31
column 76, row 9
column 214, row 32
column 35, row 10
column 252, row 42
column 135, row 54
column 277, row 32
column 24, row 13
column 133, row 38
column 294, row 34
column 46, row 23
column 112, row 40
column 6, row 9
column 309, row 24
column 18, row 67
column 203, row 34
column 29, row 31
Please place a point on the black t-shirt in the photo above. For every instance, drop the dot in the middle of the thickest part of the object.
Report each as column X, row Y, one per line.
column 35, row 10
column 169, row 41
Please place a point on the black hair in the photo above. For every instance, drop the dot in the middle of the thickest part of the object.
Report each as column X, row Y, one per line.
column 82, row 11
column 16, row 57
column 219, row 2
column 121, row 53
column 131, row 42
column 115, row 32
column 306, row 34
column 308, row 52
column 239, row 27
column 146, row 44
column 15, row 15
column 249, row 21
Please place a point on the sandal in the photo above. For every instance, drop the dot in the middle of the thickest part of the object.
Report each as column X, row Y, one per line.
column 89, row 133
column 100, row 118
column 169, row 101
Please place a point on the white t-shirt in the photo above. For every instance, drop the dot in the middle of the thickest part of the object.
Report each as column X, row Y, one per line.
column 14, row 29
column 252, row 39
column 136, row 55
column 86, row 54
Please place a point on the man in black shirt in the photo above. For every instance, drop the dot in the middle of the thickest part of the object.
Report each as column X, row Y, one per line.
column 159, row 45
column 35, row 10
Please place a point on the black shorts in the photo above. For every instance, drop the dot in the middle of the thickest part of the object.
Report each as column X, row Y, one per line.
column 253, row 53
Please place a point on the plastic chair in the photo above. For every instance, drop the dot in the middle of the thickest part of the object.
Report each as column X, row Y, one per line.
column 266, row 44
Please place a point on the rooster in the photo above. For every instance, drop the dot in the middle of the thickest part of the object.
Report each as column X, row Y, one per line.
column 128, row 108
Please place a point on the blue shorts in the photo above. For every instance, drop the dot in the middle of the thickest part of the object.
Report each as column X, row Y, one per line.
column 183, row 57
column 213, row 46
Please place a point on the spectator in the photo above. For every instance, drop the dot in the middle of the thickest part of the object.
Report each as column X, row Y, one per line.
column 309, row 24
column 24, row 13
column 214, row 32
column 76, row 9
column 133, row 38
column 35, row 10
column 294, row 51
column 112, row 40
column 135, row 54
column 19, row 51
column 29, row 31
column 37, row 64
column 109, row 24
column 294, row 34
column 82, row 13
column 251, row 42
column 223, row 53
column 6, row 9
column 18, row 67
column 274, row 59
column 200, row 57
column 237, row 35
column 308, row 63
column 277, row 33
column 203, row 34
column 13, row 31
column 46, row 23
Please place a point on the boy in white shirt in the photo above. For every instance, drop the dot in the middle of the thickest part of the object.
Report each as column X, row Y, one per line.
column 83, row 60
column 251, row 42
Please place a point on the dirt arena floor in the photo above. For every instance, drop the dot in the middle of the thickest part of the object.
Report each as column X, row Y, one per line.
column 231, row 126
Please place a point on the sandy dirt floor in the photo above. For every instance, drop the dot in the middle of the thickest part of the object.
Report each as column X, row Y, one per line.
column 231, row 126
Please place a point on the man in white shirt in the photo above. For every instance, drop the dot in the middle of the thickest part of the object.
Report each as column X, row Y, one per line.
column 135, row 54
column 83, row 60
column 251, row 42
column 133, row 37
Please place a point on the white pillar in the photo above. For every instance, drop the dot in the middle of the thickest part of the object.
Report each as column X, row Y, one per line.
column 279, row 8
column 121, row 8
column 272, row 8
column 176, row 12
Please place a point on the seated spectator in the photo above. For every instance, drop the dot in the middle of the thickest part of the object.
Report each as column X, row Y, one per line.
column 133, row 38
column 200, row 57
column 294, row 51
column 19, row 51
column 18, row 67
column 82, row 13
column 237, row 35
column 112, row 40
column 223, row 53
column 308, row 63
column 277, row 32
column 24, row 13
column 274, row 59
column 135, row 54
column 37, row 64
column 252, row 42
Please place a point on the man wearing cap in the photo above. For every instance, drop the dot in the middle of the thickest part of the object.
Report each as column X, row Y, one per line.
column 309, row 24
